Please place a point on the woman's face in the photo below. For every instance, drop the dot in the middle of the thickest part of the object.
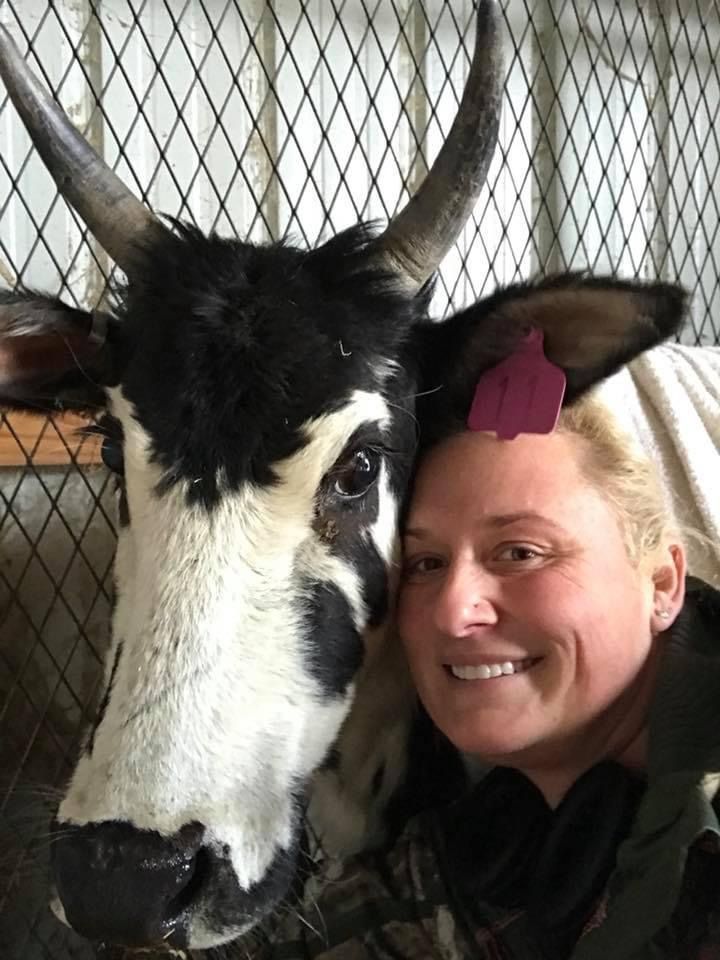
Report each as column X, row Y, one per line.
column 526, row 626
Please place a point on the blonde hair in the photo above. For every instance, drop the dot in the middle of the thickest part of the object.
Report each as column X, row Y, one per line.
column 627, row 479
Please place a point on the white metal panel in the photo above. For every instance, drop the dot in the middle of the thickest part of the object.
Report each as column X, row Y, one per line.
column 265, row 119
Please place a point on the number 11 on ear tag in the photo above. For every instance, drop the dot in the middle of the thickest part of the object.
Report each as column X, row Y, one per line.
column 522, row 394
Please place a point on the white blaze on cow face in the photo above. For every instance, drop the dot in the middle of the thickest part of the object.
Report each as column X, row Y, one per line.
column 214, row 715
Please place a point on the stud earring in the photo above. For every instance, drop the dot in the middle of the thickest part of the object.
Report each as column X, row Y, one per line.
column 663, row 614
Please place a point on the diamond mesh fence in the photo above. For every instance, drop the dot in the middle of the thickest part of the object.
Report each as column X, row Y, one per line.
column 264, row 119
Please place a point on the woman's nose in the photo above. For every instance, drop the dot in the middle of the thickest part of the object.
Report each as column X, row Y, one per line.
column 465, row 600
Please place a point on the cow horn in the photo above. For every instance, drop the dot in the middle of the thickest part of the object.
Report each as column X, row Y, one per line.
column 420, row 235
column 114, row 215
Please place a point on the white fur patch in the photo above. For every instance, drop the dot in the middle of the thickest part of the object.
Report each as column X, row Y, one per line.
column 347, row 807
column 213, row 716
column 384, row 531
column 59, row 910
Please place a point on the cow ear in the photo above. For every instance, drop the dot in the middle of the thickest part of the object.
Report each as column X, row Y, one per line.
column 591, row 326
column 52, row 356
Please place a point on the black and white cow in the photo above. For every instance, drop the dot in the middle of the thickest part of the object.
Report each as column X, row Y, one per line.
column 262, row 405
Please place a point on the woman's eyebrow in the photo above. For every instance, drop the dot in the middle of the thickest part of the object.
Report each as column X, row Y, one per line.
column 494, row 520
column 417, row 533
column 505, row 519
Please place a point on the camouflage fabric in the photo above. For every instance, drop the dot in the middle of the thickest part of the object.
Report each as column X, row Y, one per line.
column 661, row 898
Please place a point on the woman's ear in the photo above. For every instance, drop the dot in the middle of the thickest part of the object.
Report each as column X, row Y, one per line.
column 669, row 587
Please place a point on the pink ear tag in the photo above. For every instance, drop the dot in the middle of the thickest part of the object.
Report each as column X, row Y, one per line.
column 522, row 394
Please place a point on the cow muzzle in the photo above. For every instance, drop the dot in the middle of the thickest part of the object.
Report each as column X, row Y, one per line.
column 128, row 886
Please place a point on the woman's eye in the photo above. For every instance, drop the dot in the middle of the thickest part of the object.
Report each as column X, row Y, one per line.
column 517, row 553
column 357, row 474
column 417, row 566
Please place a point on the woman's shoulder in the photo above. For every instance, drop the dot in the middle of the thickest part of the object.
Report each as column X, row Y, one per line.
column 704, row 599
column 361, row 907
column 684, row 723
column 664, row 896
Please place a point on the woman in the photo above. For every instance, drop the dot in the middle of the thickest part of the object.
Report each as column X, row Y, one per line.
column 553, row 640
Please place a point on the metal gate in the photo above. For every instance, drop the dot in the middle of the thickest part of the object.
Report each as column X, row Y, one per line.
column 264, row 118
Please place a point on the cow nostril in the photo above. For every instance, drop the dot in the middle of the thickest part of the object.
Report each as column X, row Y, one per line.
column 128, row 886
column 199, row 870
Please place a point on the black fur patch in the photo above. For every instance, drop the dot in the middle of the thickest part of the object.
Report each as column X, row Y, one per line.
column 377, row 780
column 224, row 904
column 123, row 508
column 229, row 348
column 105, row 700
column 332, row 760
column 375, row 586
column 334, row 648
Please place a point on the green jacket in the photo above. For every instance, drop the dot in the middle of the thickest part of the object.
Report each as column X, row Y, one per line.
column 653, row 844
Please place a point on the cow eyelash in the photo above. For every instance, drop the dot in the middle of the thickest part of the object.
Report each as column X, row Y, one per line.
column 111, row 449
column 381, row 449
column 100, row 428
column 93, row 430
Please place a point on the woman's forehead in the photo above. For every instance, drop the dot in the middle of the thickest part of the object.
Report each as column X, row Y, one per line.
column 481, row 474
column 473, row 455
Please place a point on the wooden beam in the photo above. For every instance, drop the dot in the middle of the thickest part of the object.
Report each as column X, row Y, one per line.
column 45, row 441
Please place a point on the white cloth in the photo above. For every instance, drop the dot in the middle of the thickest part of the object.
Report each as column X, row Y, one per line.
column 669, row 399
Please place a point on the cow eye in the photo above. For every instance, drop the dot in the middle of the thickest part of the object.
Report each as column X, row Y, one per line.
column 354, row 476
column 111, row 450
column 112, row 456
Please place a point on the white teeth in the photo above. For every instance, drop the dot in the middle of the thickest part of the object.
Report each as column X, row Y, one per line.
column 487, row 671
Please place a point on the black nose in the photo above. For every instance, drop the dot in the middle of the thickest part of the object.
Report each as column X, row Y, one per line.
column 124, row 885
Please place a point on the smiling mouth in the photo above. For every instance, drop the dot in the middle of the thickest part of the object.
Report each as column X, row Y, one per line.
column 492, row 671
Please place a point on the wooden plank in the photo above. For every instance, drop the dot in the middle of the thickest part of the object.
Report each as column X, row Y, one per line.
column 40, row 440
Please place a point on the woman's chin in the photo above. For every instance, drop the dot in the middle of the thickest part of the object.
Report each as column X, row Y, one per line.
column 492, row 741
